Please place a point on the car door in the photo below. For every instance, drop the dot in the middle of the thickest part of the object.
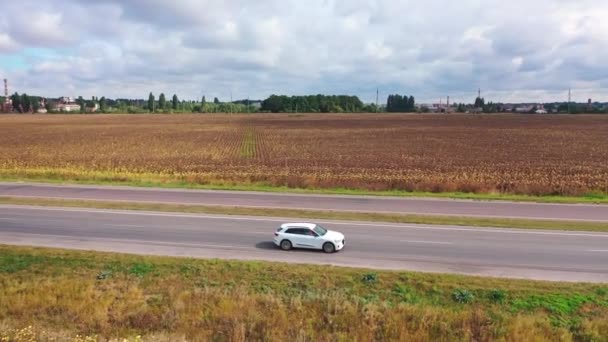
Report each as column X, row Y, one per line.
column 309, row 239
column 295, row 236
column 315, row 240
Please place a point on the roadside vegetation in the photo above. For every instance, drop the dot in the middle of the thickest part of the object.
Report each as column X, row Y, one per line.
column 548, row 158
column 318, row 214
column 60, row 294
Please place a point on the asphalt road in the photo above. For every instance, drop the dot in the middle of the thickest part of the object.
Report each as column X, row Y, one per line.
column 564, row 256
column 423, row 206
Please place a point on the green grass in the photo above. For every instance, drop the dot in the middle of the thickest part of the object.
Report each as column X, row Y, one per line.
column 118, row 295
column 318, row 214
column 156, row 181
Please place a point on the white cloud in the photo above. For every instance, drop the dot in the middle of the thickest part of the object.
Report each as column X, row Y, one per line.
column 516, row 50
column 7, row 43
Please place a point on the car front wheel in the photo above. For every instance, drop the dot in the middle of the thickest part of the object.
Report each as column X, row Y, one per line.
column 286, row 245
column 329, row 247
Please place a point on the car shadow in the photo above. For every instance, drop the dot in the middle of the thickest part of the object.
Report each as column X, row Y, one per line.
column 269, row 245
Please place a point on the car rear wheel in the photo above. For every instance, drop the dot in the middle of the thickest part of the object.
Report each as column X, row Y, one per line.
column 329, row 247
column 286, row 245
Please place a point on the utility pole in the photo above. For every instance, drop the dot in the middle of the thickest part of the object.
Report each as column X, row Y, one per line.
column 569, row 99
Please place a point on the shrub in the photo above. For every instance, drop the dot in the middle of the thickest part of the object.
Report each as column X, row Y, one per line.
column 497, row 296
column 370, row 278
column 463, row 296
column 141, row 269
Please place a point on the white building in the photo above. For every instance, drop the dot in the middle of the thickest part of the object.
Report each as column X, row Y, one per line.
column 67, row 104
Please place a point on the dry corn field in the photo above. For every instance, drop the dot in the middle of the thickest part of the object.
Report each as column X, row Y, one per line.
column 519, row 154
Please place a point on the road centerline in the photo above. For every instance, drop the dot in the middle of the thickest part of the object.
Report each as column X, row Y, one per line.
column 427, row 242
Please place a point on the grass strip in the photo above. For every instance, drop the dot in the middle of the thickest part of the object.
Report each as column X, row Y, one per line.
column 54, row 294
column 169, row 181
column 318, row 214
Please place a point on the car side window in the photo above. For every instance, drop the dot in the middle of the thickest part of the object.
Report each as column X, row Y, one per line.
column 303, row 231
column 291, row 231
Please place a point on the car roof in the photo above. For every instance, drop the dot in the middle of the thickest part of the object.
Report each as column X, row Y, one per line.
column 298, row 225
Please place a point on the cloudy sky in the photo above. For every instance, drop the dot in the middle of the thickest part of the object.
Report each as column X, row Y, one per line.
column 517, row 50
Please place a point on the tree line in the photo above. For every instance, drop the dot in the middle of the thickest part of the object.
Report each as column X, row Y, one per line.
column 314, row 104
column 24, row 103
column 395, row 103
column 400, row 104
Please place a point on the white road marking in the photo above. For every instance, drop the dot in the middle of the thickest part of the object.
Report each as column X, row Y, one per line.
column 125, row 225
column 241, row 218
column 129, row 241
column 599, row 250
column 427, row 242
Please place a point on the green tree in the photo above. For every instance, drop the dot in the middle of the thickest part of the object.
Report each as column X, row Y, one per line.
column 411, row 104
column 174, row 101
column 161, row 101
column 311, row 103
column 25, row 103
column 151, row 102
column 49, row 105
column 400, row 104
column 16, row 100
column 35, row 104
column 216, row 100
column 90, row 105
column 80, row 101
column 103, row 104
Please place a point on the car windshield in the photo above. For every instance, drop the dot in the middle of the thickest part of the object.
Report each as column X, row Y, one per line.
column 320, row 230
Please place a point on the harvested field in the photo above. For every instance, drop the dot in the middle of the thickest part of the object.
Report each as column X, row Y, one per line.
column 515, row 154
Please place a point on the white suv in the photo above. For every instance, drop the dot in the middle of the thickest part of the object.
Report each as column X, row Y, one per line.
column 308, row 235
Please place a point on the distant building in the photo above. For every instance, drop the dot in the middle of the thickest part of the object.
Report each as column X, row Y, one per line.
column 41, row 107
column 92, row 108
column 67, row 104
column 256, row 104
column 524, row 108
